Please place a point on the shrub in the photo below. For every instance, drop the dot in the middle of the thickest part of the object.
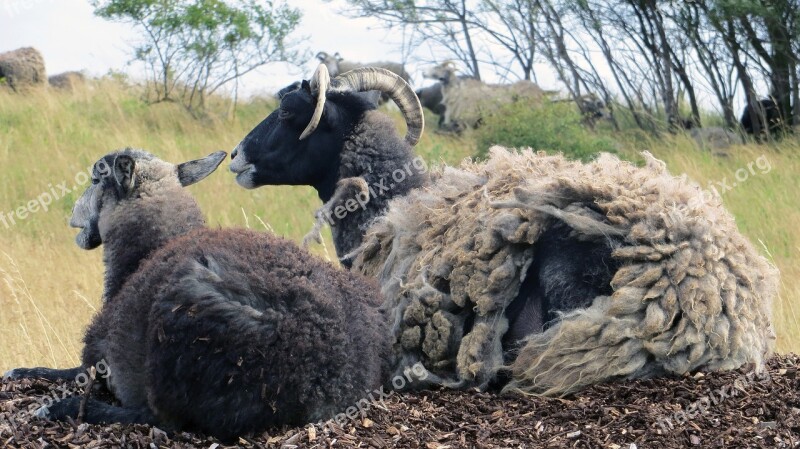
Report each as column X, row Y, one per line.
column 552, row 127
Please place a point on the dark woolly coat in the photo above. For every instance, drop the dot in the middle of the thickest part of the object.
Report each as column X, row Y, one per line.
column 228, row 331
column 375, row 153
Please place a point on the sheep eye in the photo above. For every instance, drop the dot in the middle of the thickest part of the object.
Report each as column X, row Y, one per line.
column 95, row 181
column 284, row 114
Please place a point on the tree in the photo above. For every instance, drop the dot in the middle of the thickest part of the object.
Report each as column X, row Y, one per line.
column 762, row 37
column 651, row 57
column 447, row 23
column 513, row 25
column 192, row 48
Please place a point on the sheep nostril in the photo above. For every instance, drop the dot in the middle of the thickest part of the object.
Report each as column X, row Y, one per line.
column 234, row 153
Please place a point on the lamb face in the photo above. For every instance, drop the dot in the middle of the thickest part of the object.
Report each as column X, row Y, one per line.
column 126, row 174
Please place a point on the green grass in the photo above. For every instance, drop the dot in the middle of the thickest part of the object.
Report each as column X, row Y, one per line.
column 555, row 127
column 49, row 288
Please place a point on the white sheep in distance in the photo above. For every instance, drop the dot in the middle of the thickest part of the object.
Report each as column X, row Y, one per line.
column 337, row 65
column 556, row 274
column 467, row 100
column 22, row 68
column 224, row 331
column 67, row 80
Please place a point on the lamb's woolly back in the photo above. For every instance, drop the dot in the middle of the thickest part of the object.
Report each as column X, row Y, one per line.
column 691, row 292
column 244, row 331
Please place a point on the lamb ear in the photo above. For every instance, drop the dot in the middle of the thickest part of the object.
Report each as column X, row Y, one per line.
column 195, row 171
column 124, row 166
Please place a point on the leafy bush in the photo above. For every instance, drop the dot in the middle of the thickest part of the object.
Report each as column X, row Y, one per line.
column 192, row 48
column 552, row 127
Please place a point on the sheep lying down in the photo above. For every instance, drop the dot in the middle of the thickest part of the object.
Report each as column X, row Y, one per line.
column 224, row 331
column 688, row 291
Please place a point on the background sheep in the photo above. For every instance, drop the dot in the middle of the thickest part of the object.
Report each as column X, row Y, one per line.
column 67, row 80
column 590, row 106
column 431, row 97
column 221, row 331
column 337, row 65
column 771, row 120
column 467, row 100
column 22, row 68
column 492, row 250
column 715, row 137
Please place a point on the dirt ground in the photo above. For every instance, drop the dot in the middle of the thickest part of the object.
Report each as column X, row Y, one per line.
column 719, row 410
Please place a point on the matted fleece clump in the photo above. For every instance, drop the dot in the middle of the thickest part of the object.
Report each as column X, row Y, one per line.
column 691, row 292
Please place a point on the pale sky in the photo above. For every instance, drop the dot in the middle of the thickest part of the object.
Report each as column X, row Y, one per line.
column 71, row 38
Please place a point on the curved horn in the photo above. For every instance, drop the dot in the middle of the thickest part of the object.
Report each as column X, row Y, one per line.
column 320, row 83
column 373, row 78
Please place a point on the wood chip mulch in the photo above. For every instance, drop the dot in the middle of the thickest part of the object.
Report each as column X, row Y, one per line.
column 720, row 410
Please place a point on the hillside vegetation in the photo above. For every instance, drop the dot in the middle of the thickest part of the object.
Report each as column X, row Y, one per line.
column 49, row 288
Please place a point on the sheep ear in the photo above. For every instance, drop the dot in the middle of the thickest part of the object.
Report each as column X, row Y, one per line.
column 195, row 171
column 124, row 166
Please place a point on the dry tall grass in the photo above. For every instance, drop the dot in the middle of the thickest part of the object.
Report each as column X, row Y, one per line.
column 50, row 288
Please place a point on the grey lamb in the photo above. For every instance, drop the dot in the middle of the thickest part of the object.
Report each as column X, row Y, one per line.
column 220, row 331
column 529, row 271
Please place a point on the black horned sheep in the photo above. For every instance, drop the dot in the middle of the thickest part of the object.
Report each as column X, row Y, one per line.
column 22, row 68
column 373, row 96
column 285, row 90
column 220, row 331
column 547, row 273
column 715, row 137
